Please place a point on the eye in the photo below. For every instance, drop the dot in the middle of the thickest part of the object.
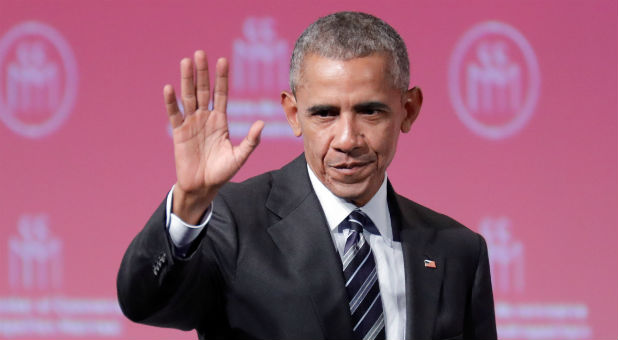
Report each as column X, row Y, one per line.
column 324, row 113
column 371, row 108
column 370, row 111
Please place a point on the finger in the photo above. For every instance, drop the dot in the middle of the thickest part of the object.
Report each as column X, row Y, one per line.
column 202, row 82
column 187, row 86
column 220, row 99
column 250, row 142
column 171, row 106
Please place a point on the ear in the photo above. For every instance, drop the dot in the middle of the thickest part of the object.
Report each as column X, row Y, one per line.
column 288, row 102
column 413, row 99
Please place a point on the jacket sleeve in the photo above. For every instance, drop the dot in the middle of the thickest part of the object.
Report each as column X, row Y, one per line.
column 480, row 320
column 155, row 287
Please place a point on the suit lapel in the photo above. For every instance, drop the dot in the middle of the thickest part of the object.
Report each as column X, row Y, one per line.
column 423, row 284
column 303, row 237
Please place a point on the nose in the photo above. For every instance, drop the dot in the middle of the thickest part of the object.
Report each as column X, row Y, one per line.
column 348, row 134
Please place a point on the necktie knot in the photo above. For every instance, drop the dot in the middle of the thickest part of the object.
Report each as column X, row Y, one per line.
column 355, row 221
column 358, row 221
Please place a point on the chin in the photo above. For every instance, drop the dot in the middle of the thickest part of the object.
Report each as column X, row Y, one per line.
column 349, row 192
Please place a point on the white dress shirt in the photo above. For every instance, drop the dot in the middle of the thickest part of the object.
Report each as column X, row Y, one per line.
column 387, row 252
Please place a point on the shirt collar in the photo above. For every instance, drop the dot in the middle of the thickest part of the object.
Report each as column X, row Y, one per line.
column 336, row 209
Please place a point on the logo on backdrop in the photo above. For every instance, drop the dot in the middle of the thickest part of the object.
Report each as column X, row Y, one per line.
column 507, row 254
column 260, row 57
column 38, row 79
column 35, row 256
column 516, row 317
column 494, row 80
column 259, row 72
column 38, row 305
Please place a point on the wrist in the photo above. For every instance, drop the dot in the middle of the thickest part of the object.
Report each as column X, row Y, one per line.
column 190, row 206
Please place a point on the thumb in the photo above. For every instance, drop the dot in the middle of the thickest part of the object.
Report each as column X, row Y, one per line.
column 250, row 142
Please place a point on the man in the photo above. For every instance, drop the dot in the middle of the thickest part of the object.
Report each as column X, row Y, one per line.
column 324, row 247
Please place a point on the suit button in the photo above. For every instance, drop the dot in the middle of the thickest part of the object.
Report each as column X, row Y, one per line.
column 156, row 267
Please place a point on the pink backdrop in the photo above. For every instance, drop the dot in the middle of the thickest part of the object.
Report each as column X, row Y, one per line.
column 517, row 139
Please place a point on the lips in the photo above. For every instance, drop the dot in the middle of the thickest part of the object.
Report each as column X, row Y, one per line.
column 350, row 165
column 350, row 171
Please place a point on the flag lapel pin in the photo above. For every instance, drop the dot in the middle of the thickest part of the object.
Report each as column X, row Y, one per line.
column 430, row 264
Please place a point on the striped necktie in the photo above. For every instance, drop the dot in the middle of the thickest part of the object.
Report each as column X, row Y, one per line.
column 359, row 270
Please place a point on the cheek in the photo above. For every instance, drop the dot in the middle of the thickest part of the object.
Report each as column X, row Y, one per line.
column 316, row 148
column 385, row 146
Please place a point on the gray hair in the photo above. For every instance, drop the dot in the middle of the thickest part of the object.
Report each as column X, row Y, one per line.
column 348, row 35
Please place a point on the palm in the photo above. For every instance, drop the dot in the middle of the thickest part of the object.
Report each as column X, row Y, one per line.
column 203, row 152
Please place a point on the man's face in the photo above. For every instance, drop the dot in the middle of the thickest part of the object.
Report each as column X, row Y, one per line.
column 350, row 115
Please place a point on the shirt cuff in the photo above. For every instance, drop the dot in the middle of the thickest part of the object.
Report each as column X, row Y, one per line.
column 181, row 233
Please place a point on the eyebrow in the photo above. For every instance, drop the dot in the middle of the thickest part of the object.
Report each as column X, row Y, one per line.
column 322, row 108
column 371, row 106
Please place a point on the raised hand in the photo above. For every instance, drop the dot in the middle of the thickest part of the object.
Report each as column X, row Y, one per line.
column 204, row 155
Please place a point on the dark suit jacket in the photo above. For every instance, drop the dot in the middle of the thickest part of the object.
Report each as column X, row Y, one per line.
column 266, row 267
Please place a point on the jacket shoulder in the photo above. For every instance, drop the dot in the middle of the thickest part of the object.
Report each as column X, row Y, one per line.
column 249, row 189
column 278, row 191
column 445, row 231
column 436, row 219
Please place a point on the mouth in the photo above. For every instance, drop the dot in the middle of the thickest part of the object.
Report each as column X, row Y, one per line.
column 351, row 165
column 350, row 168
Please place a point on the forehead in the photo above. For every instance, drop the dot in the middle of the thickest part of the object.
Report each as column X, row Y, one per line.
column 323, row 77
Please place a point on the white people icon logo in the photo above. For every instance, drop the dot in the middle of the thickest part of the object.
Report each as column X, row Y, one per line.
column 38, row 79
column 259, row 68
column 35, row 255
column 494, row 80
column 260, row 57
